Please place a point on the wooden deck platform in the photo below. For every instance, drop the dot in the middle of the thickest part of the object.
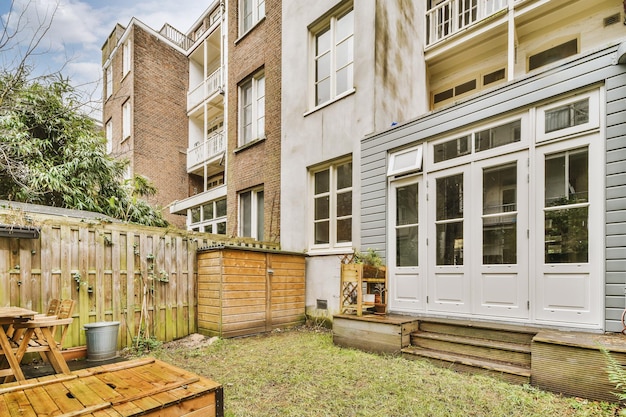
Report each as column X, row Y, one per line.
column 142, row 387
column 565, row 362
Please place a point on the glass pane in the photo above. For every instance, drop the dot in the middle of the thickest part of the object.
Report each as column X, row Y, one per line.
column 322, row 208
column 345, row 25
column 322, row 92
column 322, row 181
column 321, row 232
column 221, row 228
column 322, row 67
column 344, row 53
column 567, row 236
column 450, row 197
column 452, row 149
column 344, row 79
column 450, row 243
column 406, row 205
column 261, row 9
column 578, row 185
column 344, row 230
column 500, row 240
column 569, row 115
column 406, row 246
column 498, row 136
column 499, row 189
column 344, row 176
column 195, row 214
column 220, row 208
column 322, row 42
column 207, row 211
column 555, row 181
column 260, row 214
column 246, row 214
column 344, row 204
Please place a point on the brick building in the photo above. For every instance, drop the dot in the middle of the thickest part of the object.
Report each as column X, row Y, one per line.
column 144, row 110
column 199, row 115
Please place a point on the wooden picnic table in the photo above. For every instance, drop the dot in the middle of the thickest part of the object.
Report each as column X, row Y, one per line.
column 11, row 316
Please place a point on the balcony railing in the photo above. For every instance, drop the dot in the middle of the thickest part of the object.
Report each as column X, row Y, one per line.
column 450, row 16
column 205, row 151
column 206, row 88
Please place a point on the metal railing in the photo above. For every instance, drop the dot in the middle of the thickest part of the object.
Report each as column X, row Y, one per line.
column 450, row 16
column 204, row 151
column 211, row 85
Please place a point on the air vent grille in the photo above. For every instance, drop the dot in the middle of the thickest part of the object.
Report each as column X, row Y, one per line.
column 611, row 20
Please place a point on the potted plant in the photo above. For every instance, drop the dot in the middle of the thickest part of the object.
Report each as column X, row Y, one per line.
column 379, row 298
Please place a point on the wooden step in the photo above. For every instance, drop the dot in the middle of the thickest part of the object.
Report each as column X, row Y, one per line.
column 506, row 352
column 507, row 372
column 504, row 333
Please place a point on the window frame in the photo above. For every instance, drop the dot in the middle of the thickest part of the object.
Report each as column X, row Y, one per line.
column 108, row 73
column 108, row 129
column 592, row 124
column 257, row 110
column 256, row 228
column 126, row 58
column 333, row 192
column 256, row 13
column 329, row 23
column 415, row 165
column 126, row 120
column 203, row 223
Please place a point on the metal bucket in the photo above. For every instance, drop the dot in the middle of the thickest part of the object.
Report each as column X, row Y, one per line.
column 101, row 340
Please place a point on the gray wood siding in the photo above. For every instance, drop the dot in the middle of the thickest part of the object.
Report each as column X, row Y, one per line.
column 594, row 69
column 615, row 242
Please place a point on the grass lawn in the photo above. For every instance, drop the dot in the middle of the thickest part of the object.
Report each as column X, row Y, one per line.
column 301, row 373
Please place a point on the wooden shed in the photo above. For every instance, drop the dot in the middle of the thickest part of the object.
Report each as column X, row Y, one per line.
column 244, row 291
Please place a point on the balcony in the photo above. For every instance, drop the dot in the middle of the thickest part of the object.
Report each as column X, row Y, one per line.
column 451, row 16
column 210, row 86
column 204, row 152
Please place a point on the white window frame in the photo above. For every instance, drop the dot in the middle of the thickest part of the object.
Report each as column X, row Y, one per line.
column 592, row 124
column 204, row 224
column 404, row 161
column 332, row 194
column 329, row 24
column 256, row 85
column 126, row 120
column 126, row 58
column 108, row 73
column 257, row 13
column 256, row 231
column 109, row 136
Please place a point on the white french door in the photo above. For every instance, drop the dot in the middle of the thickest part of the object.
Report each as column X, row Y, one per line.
column 499, row 230
column 406, row 253
column 448, row 252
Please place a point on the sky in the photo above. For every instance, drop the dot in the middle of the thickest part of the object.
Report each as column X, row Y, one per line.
column 77, row 30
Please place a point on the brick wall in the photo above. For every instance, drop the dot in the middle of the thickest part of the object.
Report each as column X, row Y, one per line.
column 259, row 164
column 156, row 86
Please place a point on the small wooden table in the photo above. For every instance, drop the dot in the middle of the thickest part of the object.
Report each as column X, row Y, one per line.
column 8, row 317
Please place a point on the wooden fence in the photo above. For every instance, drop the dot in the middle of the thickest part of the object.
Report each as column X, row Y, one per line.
column 143, row 277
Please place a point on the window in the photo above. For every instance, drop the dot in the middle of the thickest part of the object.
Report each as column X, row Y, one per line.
column 570, row 116
column 250, row 12
column 109, row 81
column 500, row 215
column 553, row 54
column 449, row 221
column 210, row 217
column 451, row 149
column 332, row 205
column 407, row 225
column 567, row 207
column 125, row 58
column 498, row 136
column 109, row 136
column 252, row 109
column 251, row 214
column 126, row 115
column 333, row 56
column 405, row 161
